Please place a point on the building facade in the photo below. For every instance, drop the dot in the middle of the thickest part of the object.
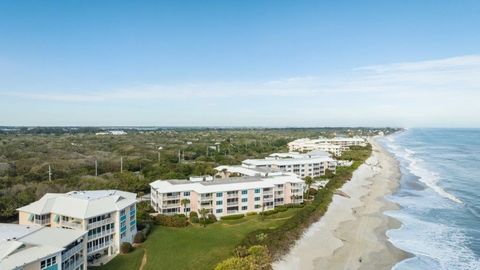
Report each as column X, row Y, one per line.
column 108, row 217
column 33, row 247
column 235, row 195
column 333, row 145
column 301, row 165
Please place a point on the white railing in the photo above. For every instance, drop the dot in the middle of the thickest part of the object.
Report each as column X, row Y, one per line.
column 72, row 224
column 98, row 247
column 232, row 203
column 232, row 195
column 100, row 223
column 102, row 233
column 72, row 252
column 73, row 266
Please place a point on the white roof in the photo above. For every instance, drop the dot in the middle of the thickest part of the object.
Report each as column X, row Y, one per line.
column 81, row 204
column 229, row 184
column 21, row 244
column 279, row 162
column 249, row 171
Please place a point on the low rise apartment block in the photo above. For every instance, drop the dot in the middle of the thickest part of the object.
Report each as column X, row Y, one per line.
column 108, row 217
column 234, row 195
column 34, row 247
column 300, row 164
column 333, row 145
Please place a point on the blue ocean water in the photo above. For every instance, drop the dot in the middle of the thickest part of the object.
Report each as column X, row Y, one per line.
column 440, row 198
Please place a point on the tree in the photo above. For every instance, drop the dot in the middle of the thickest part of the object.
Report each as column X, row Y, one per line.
column 308, row 181
column 203, row 214
column 184, row 202
column 125, row 247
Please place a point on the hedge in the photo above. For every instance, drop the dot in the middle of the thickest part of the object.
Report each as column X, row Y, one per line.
column 171, row 221
column 232, row 217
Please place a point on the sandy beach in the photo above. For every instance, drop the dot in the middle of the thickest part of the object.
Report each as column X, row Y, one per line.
column 351, row 235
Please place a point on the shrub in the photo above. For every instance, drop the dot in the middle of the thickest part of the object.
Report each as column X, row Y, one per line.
column 251, row 213
column 233, row 217
column 146, row 230
column 194, row 217
column 211, row 218
column 139, row 238
column 125, row 247
column 269, row 212
column 171, row 221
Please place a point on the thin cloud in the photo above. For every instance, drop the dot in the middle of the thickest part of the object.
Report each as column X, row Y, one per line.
column 454, row 75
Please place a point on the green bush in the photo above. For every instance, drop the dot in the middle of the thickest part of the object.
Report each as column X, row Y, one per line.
column 232, row 217
column 139, row 238
column 125, row 247
column 251, row 213
column 269, row 212
column 194, row 217
column 171, row 221
column 146, row 230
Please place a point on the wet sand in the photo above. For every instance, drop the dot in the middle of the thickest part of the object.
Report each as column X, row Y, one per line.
column 351, row 235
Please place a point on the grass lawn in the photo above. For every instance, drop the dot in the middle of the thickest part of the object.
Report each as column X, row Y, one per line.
column 196, row 247
column 132, row 260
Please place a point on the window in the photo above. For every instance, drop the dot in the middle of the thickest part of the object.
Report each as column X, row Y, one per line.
column 244, row 192
column 219, row 194
column 257, row 199
column 257, row 190
column 257, row 206
column 48, row 262
column 244, row 199
column 244, row 208
column 219, row 202
column 218, row 211
column 186, row 210
column 186, row 194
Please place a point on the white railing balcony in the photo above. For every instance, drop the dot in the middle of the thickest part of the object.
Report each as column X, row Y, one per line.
column 170, row 205
column 75, row 225
column 232, row 203
column 174, row 197
column 42, row 221
column 269, row 199
column 232, row 211
column 233, row 195
column 72, row 252
column 100, row 223
column 206, row 199
column 102, row 233
column 96, row 248
column 73, row 266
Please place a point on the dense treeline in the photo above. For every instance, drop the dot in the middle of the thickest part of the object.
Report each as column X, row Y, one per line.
column 26, row 154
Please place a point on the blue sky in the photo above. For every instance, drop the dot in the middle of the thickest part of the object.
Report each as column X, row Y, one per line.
column 237, row 63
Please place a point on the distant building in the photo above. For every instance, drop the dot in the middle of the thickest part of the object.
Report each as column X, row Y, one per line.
column 109, row 216
column 111, row 132
column 335, row 146
column 235, row 195
column 25, row 247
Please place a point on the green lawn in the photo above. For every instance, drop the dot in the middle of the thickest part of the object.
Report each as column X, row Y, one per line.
column 195, row 247
column 129, row 261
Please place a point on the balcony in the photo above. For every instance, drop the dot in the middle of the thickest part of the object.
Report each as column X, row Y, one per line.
column 96, row 248
column 102, row 233
column 72, row 252
column 100, row 223
column 175, row 197
column 268, row 199
column 232, row 203
column 73, row 266
column 233, row 195
column 41, row 222
column 72, row 224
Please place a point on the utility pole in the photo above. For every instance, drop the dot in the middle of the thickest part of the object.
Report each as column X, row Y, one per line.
column 49, row 173
column 96, row 168
column 121, row 164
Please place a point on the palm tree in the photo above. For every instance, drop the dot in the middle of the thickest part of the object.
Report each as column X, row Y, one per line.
column 309, row 181
column 184, row 202
column 203, row 213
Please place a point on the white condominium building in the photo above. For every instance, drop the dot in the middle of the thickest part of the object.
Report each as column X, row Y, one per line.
column 334, row 145
column 33, row 247
column 108, row 216
column 235, row 195
column 301, row 165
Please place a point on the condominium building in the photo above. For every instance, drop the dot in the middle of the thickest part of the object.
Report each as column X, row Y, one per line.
column 108, row 216
column 301, row 165
column 221, row 197
column 334, row 145
column 34, row 247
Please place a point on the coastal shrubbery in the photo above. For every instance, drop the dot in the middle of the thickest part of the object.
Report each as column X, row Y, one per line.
column 254, row 258
column 125, row 247
column 179, row 220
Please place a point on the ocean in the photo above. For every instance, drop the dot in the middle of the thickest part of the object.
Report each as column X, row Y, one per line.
column 439, row 195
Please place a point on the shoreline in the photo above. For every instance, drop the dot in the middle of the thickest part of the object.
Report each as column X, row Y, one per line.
column 352, row 233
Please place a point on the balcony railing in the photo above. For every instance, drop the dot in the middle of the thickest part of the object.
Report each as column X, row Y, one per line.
column 233, row 195
column 100, row 234
column 72, row 224
column 73, row 266
column 98, row 247
column 175, row 197
column 72, row 252
column 232, row 203
column 100, row 223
